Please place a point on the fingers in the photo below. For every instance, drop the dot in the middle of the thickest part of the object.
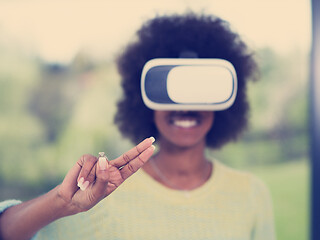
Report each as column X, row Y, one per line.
column 87, row 172
column 69, row 184
column 80, row 175
column 132, row 153
column 98, row 172
column 137, row 163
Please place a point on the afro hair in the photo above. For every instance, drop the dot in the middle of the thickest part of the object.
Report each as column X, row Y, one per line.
column 167, row 37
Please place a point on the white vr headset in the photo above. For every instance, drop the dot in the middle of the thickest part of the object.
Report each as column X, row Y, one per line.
column 188, row 84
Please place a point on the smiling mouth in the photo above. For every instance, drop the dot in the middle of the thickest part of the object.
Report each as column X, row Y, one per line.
column 185, row 119
column 185, row 123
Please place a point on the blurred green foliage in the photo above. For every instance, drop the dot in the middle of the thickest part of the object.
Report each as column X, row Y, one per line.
column 289, row 186
column 51, row 114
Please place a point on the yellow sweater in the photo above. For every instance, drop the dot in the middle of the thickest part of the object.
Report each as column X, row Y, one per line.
column 230, row 205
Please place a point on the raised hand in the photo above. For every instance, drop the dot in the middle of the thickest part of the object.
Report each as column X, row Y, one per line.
column 97, row 178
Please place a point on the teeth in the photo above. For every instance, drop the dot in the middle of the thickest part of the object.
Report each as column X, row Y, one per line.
column 185, row 123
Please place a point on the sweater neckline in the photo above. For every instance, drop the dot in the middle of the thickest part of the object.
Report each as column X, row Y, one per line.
column 170, row 194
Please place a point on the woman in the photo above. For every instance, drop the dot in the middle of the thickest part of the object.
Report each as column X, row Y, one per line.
column 179, row 193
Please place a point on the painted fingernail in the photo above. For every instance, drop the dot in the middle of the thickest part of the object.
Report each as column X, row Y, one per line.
column 80, row 183
column 103, row 163
column 152, row 139
column 84, row 185
column 153, row 147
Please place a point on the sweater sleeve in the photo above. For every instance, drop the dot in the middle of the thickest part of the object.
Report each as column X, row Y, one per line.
column 264, row 221
column 8, row 203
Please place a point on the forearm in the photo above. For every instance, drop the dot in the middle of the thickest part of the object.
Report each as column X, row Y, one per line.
column 24, row 220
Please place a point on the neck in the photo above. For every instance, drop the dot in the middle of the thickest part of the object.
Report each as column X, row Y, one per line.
column 181, row 168
column 181, row 160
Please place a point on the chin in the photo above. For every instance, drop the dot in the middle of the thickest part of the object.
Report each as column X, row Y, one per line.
column 183, row 143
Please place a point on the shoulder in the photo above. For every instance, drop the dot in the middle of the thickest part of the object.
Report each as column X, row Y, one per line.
column 239, row 180
column 246, row 188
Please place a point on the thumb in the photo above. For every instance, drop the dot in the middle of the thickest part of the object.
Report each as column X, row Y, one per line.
column 102, row 176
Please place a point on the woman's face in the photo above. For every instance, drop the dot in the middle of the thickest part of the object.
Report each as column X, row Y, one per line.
column 183, row 128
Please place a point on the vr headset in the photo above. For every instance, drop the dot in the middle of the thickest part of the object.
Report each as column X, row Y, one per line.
column 188, row 84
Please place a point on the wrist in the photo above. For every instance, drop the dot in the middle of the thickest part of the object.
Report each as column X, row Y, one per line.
column 62, row 206
column 64, row 203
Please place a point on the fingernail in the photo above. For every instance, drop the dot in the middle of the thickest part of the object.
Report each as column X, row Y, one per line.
column 153, row 147
column 152, row 139
column 80, row 183
column 84, row 185
column 103, row 163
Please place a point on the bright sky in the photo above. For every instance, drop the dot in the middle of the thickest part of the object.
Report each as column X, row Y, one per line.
column 57, row 29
